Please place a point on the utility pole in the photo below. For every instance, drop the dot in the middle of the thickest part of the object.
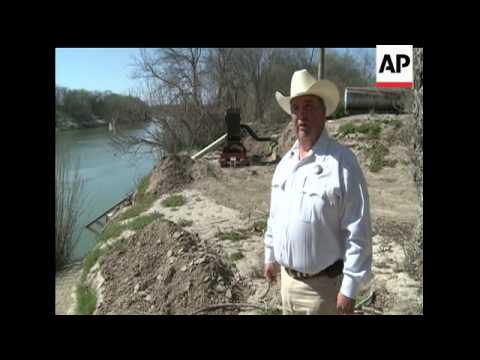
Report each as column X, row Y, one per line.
column 321, row 64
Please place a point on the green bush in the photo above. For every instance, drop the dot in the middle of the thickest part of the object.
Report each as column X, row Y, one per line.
column 115, row 229
column 142, row 186
column 346, row 129
column 174, row 201
column 112, row 230
column 340, row 112
column 89, row 261
column 371, row 129
column 86, row 300
column 377, row 153
column 376, row 164
column 142, row 221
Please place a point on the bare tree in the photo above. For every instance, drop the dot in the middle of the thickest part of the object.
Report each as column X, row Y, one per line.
column 254, row 63
column 255, row 74
column 189, row 89
column 367, row 63
column 175, row 90
column 160, row 134
column 220, row 66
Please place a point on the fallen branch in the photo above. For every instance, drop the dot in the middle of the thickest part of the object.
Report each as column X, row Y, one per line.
column 219, row 221
column 371, row 310
column 229, row 306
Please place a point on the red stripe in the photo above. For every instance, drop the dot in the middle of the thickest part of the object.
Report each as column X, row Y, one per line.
column 395, row 84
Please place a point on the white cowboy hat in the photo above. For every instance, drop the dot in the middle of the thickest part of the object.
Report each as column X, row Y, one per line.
column 305, row 84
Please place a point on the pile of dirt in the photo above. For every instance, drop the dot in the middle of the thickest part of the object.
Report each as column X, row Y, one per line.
column 286, row 140
column 259, row 151
column 263, row 151
column 166, row 270
column 173, row 172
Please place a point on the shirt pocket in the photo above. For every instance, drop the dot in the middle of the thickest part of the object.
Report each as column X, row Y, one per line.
column 277, row 196
column 316, row 197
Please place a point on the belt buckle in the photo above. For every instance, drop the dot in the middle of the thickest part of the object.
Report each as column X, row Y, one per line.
column 297, row 274
column 292, row 273
column 301, row 275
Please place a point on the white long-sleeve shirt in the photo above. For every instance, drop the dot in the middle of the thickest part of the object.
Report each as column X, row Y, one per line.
column 320, row 213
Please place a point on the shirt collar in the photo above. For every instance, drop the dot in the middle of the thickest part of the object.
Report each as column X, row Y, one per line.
column 319, row 148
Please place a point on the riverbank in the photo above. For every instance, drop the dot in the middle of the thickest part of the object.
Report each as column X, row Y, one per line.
column 66, row 281
column 74, row 126
column 65, row 122
column 224, row 212
column 107, row 175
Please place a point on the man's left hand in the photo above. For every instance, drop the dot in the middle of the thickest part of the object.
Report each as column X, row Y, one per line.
column 345, row 305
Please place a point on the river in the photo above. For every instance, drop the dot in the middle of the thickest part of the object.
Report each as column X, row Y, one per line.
column 107, row 175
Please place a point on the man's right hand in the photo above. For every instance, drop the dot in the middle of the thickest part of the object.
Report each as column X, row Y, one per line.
column 271, row 271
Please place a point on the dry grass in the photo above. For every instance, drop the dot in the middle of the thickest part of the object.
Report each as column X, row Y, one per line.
column 69, row 206
column 232, row 235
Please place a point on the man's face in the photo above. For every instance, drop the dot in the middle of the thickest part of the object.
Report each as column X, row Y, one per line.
column 308, row 114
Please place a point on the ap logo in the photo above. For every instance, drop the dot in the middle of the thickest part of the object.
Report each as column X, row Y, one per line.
column 395, row 66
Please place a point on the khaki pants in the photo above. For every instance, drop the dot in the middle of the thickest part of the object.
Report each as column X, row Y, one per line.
column 315, row 296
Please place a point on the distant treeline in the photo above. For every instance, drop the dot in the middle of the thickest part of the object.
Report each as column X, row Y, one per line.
column 82, row 108
column 189, row 89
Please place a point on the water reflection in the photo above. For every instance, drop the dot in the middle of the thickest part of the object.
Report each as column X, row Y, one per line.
column 108, row 175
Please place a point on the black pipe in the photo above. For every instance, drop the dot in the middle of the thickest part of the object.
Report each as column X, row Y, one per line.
column 255, row 136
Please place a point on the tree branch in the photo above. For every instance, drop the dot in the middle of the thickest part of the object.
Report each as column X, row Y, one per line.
column 228, row 306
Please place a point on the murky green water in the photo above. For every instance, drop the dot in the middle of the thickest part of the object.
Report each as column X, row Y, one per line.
column 108, row 175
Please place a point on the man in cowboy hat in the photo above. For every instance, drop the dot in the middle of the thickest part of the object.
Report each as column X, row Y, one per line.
column 319, row 229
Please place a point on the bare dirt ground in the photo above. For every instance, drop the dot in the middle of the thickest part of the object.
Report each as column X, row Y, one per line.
column 163, row 270
column 133, row 281
column 222, row 200
column 393, row 202
column 65, row 282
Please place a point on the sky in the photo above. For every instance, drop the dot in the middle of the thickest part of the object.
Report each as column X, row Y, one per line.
column 101, row 69
column 97, row 69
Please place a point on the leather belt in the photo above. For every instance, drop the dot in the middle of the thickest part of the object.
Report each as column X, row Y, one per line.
column 332, row 271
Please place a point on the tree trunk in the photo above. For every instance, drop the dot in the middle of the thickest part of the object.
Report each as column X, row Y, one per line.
column 418, row 144
column 321, row 64
column 414, row 247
